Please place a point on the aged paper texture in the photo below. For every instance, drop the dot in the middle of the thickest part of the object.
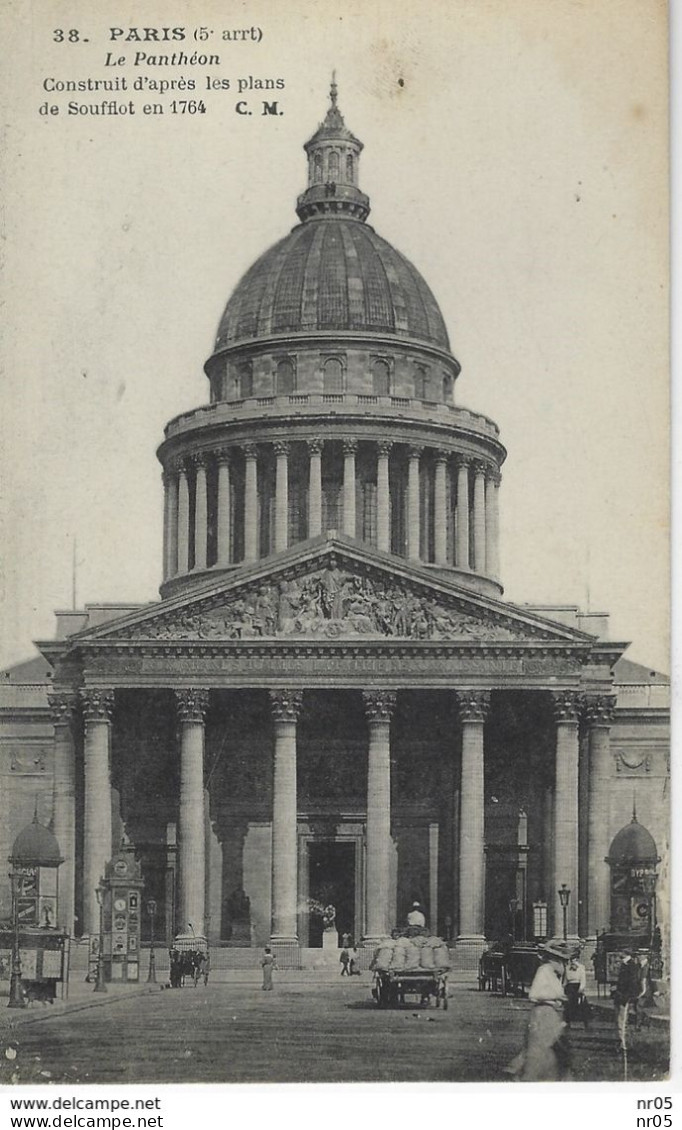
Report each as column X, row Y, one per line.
column 368, row 618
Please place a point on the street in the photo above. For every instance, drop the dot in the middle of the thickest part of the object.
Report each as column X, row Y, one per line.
column 316, row 1031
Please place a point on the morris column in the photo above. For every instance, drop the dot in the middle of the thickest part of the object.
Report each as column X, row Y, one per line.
column 191, row 706
column 379, row 706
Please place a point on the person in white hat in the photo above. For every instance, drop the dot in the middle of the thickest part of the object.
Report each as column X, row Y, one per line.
column 416, row 916
column 545, row 1055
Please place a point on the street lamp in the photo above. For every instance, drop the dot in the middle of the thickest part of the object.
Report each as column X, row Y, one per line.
column 513, row 911
column 100, row 983
column 151, row 911
column 564, row 893
column 16, row 995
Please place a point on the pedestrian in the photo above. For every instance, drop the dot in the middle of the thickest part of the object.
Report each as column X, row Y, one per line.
column 269, row 964
column 345, row 962
column 354, row 962
column 575, row 984
column 206, row 967
column 545, row 1056
column 625, row 995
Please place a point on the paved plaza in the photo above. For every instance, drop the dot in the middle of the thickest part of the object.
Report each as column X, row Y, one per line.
column 307, row 1030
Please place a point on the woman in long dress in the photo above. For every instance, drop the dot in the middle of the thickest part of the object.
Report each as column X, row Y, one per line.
column 545, row 1055
column 268, row 963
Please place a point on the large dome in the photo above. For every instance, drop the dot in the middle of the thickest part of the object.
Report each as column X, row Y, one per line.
column 332, row 273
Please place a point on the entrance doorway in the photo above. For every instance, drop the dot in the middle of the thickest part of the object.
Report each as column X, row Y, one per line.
column 331, row 879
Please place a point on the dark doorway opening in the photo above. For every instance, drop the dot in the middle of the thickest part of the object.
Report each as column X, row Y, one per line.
column 332, row 880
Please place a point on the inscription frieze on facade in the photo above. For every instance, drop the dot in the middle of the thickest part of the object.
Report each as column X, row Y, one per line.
column 328, row 604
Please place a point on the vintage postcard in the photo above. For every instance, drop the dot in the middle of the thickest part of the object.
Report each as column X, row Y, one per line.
column 335, row 697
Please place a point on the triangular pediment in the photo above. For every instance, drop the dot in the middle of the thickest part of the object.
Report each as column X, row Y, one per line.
column 332, row 590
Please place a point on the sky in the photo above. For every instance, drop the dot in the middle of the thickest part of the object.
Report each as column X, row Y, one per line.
column 516, row 153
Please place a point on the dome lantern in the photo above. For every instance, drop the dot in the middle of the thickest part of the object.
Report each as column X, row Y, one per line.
column 333, row 157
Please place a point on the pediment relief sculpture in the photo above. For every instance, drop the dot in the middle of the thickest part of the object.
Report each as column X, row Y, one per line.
column 328, row 604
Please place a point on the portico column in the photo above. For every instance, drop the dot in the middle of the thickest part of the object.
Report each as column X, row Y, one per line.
column 479, row 518
column 61, row 709
column 183, row 520
column 315, row 488
column 286, row 706
column 97, row 708
column 250, row 503
column 191, row 706
column 492, row 523
column 379, row 706
column 224, row 492
column 281, row 496
column 439, row 517
column 566, row 705
column 349, row 449
column 413, row 525
column 200, row 513
column 599, row 714
column 383, row 497
column 473, row 709
column 462, row 514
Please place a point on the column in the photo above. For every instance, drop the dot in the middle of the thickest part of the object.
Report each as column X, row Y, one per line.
column 383, row 498
column 281, row 496
column 492, row 522
column 479, row 518
column 191, row 706
column 183, row 520
column 349, row 449
column 462, row 514
column 224, row 492
column 599, row 714
column 250, row 503
column 172, row 559
column 439, row 516
column 413, row 534
column 566, row 705
column 286, row 706
column 379, row 706
column 473, row 708
column 315, row 488
column 97, row 708
column 61, row 709
column 433, row 877
column 166, row 480
column 200, row 513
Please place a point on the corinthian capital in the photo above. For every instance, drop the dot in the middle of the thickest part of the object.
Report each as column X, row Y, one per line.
column 473, row 705
column 62, row 705
column 599, row 709
column 98, row 704
column 566, row 705
column 379, row 705
column 286, row 705
column 191, row 704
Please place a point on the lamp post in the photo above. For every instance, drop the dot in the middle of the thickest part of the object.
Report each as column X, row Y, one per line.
column 151, row 911
column 100, row 983
column 513, row 911
column 564, row 896
column 16, row 995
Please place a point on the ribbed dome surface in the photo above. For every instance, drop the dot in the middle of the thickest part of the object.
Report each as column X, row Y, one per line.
column 332, row 274
column 36, row 844
column 633, row 842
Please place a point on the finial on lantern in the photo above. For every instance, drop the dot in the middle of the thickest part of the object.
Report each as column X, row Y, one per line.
column 333, row 90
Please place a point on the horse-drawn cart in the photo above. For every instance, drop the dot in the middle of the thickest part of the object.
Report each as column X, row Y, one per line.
column 391, row 987
column 188, row 958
